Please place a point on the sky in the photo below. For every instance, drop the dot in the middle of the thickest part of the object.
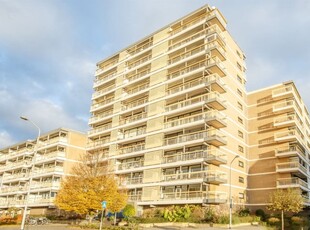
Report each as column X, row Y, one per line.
column 49, row 50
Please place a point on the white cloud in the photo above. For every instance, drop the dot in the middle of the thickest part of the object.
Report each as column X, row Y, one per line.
column 5, row 139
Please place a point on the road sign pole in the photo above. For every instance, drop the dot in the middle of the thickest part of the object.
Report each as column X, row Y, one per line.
column 101, row 219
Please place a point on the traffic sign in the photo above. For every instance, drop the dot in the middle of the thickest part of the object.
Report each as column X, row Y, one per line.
column 104, row 204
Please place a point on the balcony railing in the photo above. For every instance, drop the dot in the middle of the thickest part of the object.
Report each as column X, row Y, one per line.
column 291, row 166
column 290, row 151
column 184, row 138
column 184, row 176
column 188, row 102
column 188, row 24
column 183, row 195
column 184, row 156
column 98, row 142
column 131, row 149
column 42, row 157
column 186, row 54
column 100, row 104
column 137, row 89
column 106, row 66
column 214, row 197
column 55, row 169
column 287, row 105
column 13, row 189
column 19, row 164
column 215, row 177
column 184, row 86
column 138, row 75
column 286, row 119
column 100, row 116
column 40, row 185
column 130, row 165
column 130, row 181
column 100, row 129
column 16, row 176
column 186, row 120
column 282, row 91
column 288, row 134
column 185, row 70
column 139, row 62
column 291, row 182
column 133, row 118
column 139, row 49
column 200, row 34
column 135, row 133
column 134, row 104
column 99, row 81
column 103, row 91
column 135, row 197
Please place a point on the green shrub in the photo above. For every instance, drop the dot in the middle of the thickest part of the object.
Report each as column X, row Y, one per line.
column 261, row 214
column 296, row 220
column 177, row 213
column 129, row 211
column 223, row 219
column 209, row 215
column 244, row 212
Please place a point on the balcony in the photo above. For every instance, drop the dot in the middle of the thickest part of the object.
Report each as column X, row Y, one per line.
column 216, row 48
column 136, row 89
column 215, row 65
column 139, row 48
column 101, row 116
column 102, row 68
column 139, row 62
column 216, row 197
column 133, row 118
column 100, row 80
column 187, row 41
column 289, row 135
column 131, row 165
column 99, row 93
column 291, row 151
column 134, row 197
column 186, row 120
column 216, row 157
column 287, row 91
column 98, row 143
column 132, row 133
column 287, row 120
column 40, row 171
column 215, row 101
column 131, row 181
column 187, row 85
column 100, row 129
column 215, row 177
column 18, row 176
column 135, row 76
column 186, row 25
column 49, row 156
column 216, row 18
column 134, row 104
column 191, row 53
column 39, row 201
column 200, row 66
column 14, row 189
column 216, row 83
column 15, row 165
column 187, row 156
column 184, row 176
column 215, row 137
column 102, row 104
column 45, row 185
column 197, row 136
column 287, row 106
column 215, row 119
column 291, row 167
column 132, row 149
column 183, row 195
column 293, row 182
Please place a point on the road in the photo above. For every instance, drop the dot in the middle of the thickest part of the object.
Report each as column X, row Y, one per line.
column 67, row 227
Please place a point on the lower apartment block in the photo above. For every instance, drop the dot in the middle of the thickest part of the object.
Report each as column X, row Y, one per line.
column 38, row 168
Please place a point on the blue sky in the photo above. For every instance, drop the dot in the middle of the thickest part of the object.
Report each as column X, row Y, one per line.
column 48, row 51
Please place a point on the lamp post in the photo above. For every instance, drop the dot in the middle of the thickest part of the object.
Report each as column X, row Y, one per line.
column 230, row 199
column 30, row 172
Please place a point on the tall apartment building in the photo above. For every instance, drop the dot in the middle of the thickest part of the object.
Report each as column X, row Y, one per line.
column 169, row 114
column 279, row 135
column 52, row 159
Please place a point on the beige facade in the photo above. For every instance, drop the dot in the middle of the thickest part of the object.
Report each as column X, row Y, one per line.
column 279, row 134
column 169, row 114
column 46, row 163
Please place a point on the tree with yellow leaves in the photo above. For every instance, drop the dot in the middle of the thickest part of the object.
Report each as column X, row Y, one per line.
column 286, row 200
column 89, row 185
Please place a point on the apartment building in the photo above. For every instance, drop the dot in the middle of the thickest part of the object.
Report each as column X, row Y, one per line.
column 44, row 163
column 169, row 114
column 279, row 135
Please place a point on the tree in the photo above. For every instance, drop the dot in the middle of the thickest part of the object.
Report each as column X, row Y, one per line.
column 286, row 200
column 88, row 186
column 119, row 202
column 129, row 211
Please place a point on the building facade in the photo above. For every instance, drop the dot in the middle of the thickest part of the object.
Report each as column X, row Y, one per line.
column 44, row 163
column 169, row 114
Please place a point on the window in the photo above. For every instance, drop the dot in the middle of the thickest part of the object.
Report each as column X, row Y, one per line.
column 241, row 164
column 241, row 195
column 240, row 134
column 241, row 179
column 239, row 79
column 239, row 66
column 240, row 106
column 240, row 149
column 240, row 120
column 239, row 92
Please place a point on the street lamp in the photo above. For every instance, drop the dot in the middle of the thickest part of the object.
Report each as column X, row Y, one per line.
column 230, row 199
column 30, row 172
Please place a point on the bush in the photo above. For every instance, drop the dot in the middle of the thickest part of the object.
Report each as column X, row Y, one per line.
column 129, row 211
column 244, row 212
column 273, row 221
column 261, row 214
column 209, row 215
column 296, row 220
column 223, row 219
column 177, row 213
